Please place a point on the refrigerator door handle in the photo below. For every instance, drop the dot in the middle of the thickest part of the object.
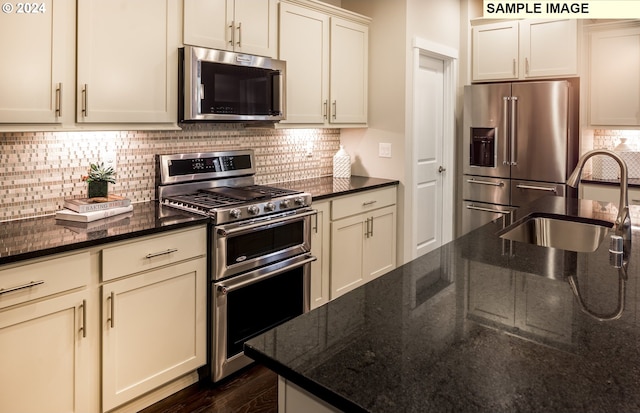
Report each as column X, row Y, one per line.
column 505, row 119
column 537, row 188
column 497, row 211
column 513, row 131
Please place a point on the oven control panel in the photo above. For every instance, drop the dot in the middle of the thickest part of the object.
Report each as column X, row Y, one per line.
column 191, row 167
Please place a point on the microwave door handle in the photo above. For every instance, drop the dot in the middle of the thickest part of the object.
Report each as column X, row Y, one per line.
column 201, row 92
column 514, row 131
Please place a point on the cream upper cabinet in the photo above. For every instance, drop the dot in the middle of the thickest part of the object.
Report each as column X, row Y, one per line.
column 327, row 66
column 525, row 49
column 495, row 51
column 614, row 83
column 127, row 61
column 246, row 26
column 37, row 45
column 363, row 238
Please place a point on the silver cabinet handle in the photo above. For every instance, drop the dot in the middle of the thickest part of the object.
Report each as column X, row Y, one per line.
column 233, row 31
column 335, row 109
column 85, row 100
column 112, row 312
column 157, row 254
column 537, row 188
column 324, row 113
column 83, row 327
column 371, row 231
column 59, row 100
column 367, row 203
column 497, row 211
column 20, row 287
column 239, row 43
column 526, row 66
column 490, row 183
column 514, row 66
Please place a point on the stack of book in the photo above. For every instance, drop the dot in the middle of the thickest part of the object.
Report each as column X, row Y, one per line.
column 93, row 209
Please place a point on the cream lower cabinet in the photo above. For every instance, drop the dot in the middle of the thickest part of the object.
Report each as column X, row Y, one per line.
column 608, row 193
column 45, row 337
column 363, row 238
column 154, row 321
column 294, row 399
column 320, row 242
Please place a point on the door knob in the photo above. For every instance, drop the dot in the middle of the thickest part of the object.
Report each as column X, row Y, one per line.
column 441, row 169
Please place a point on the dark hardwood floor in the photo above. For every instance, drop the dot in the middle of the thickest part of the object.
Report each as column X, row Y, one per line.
column 253, row 390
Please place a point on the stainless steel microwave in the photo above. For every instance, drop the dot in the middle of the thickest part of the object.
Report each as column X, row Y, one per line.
column 217, row 85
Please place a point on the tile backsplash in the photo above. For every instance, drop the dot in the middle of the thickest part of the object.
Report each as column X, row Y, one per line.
column 38, row 170
column 607, row 168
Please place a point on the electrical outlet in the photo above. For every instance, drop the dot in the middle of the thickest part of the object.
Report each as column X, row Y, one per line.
column 384, row 150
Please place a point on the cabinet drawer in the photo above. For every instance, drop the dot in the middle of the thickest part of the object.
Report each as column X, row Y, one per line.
column 362, row 202
column 151, row 252
column 43, row 278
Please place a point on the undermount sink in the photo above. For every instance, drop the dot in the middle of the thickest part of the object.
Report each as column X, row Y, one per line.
column 558, row 231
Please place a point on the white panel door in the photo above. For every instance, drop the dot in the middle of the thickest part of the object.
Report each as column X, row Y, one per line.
column 428, row 130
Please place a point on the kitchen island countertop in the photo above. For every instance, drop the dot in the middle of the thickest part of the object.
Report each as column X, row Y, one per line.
column 481, row 324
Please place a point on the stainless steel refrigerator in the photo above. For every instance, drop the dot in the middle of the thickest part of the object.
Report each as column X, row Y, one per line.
column 520, row 142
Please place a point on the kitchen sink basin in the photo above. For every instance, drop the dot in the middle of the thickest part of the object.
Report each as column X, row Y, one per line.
column 558, row 231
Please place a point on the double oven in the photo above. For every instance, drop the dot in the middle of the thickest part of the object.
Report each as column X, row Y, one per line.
column 259, row 247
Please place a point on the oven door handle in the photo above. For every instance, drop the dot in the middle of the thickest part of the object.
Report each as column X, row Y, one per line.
column 238, row 282
column 230, row 231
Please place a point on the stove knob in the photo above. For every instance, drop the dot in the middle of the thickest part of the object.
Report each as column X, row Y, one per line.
column 253, row 210
column 270, row 206
column 235, row 213
column 299, row 201
column 286, row 203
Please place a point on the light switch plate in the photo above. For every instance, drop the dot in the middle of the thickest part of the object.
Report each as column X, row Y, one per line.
column 384, row 150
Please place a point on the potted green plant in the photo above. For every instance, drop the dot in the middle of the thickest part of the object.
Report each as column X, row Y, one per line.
column 98, row 179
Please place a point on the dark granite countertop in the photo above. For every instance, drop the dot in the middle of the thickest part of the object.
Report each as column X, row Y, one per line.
column 481, row 324
column 328, row 187
column 42, row 236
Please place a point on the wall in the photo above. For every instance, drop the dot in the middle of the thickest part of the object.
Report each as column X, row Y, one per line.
column 38, row 170
column 395, row 24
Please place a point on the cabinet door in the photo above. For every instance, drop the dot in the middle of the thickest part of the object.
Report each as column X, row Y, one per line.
column 349, row 71
column 127, row 61
column 495, row 51
column 320, row 249
column 37, row 51
column 154, row 330
column 347, row 271
column 44, row 356
column 548, row 48
column 256, row 25
column 304, row 45
column 208, row 23
column 615, row 77
column 380, row 243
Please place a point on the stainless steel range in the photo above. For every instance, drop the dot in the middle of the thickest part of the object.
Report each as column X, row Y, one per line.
column 259, row 246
